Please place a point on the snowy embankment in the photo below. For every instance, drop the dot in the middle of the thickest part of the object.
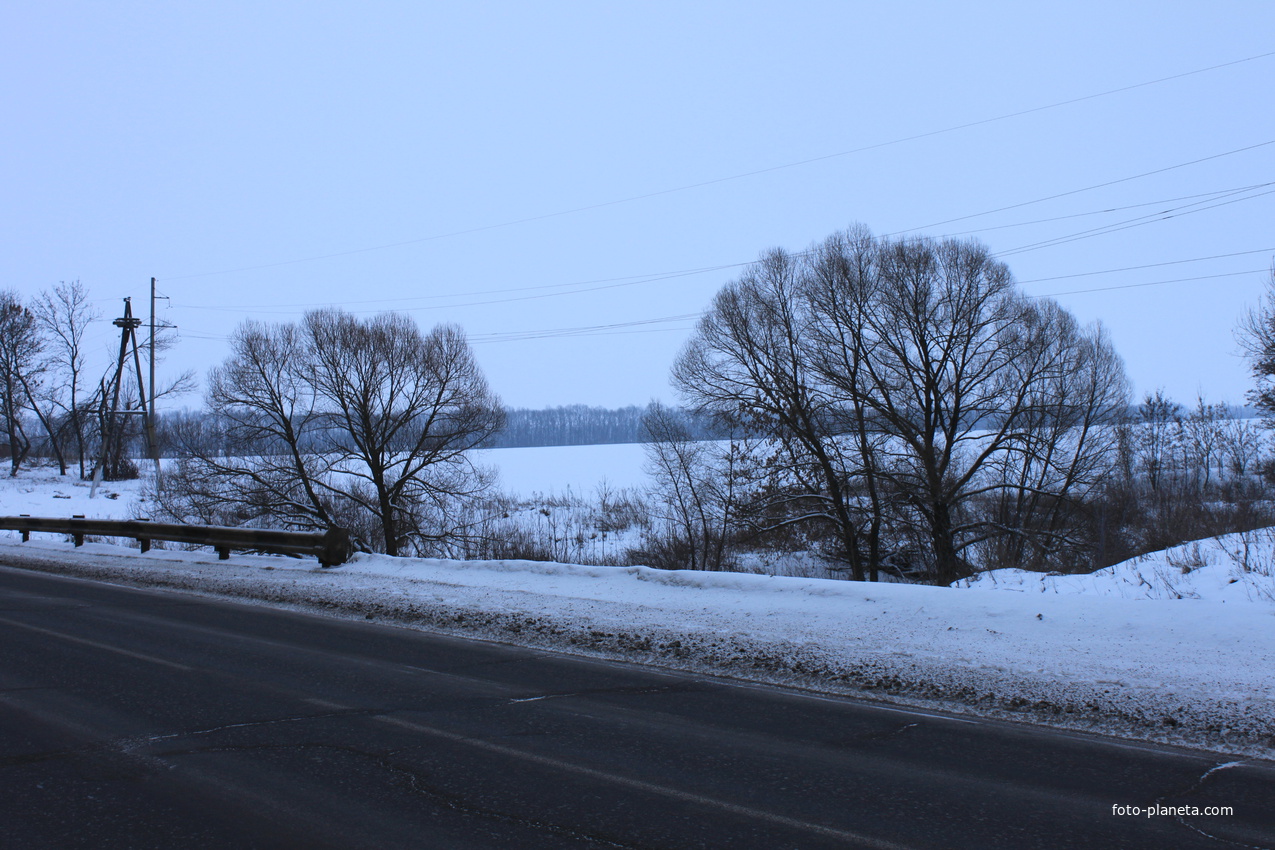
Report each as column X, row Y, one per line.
column 1233, row 568
column 1178, row 647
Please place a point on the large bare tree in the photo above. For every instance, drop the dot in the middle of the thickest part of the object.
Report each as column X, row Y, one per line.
column 922, row 386
column 748, row 366
column 403, row 411
column 341, row 420
column 269, row 461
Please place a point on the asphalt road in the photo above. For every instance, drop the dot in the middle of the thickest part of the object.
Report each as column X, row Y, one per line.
column 146, row 719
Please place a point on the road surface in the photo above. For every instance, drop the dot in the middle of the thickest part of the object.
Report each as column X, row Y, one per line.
column 138, row 719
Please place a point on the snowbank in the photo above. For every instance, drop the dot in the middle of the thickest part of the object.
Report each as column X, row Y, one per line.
column 1232, row 568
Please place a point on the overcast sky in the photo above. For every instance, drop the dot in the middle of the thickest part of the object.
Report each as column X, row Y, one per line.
column 525, row 168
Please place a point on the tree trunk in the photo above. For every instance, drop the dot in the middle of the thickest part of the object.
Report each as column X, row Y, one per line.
column 947, row 566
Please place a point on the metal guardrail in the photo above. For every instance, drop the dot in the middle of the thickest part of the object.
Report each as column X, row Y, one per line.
column 332, row 547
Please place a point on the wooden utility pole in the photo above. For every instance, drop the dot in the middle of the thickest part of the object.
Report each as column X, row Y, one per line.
column 151, row 441
column 128, row 333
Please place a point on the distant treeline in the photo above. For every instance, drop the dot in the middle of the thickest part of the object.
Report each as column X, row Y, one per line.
column 573, row 425
column 577, row 425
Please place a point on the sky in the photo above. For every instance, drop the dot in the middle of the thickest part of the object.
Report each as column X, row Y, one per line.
column 572, row 182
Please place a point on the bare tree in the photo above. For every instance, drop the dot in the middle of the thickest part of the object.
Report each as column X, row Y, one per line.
column 20, row 369
column 694, row 493
column 362, row 423
column 983, row 393
column 747, row 366
column 919, row 385
column 65, row 314
column 1256, row 335
column 270, row 462
column 1158, row 436
column 1202, row 435
column 408, row 407
column 1242, row 443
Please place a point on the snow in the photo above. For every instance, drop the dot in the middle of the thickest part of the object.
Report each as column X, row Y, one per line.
column 559, row 469
column 1233, row 568
column 40, row 491
column 1143, row 649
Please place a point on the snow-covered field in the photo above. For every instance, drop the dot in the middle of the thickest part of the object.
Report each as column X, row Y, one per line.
column 549, row 470
column 559, row 469
column 1177, row 647
column 40, row 491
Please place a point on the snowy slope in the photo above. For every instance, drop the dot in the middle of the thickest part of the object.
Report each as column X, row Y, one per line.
column 1231, row 568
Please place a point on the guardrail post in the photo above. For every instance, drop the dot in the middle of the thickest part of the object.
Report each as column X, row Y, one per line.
column 26, row 532
column 223, row 553
column 338, row 546
column 77, row 536
column 144, row 542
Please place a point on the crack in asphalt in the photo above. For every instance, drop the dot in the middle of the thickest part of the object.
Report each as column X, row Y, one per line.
column 1199, row 783
column 621, row 691
column 888, row 733
column 391, row 762
column 131, row 745
column 454, row 802
column 418, row 784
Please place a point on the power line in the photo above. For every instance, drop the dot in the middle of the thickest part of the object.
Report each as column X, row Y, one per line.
column 580, row 287
column 616, row 328
column 1139, row 221
column 1152, row 283
column 1214, row 194
column 606, row 284
column 754, row 173
column 583, row 330
column 631, row 280
column 1147, row 266
column 653, row 277
column 1085, row 189
column 637, row 279
column 635, row 326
